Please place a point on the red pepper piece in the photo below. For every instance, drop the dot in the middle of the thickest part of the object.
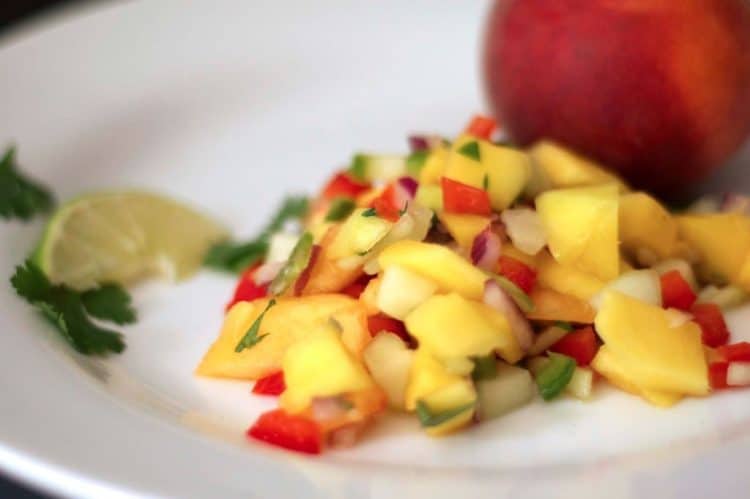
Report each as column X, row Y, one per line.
column 711, row 320
column 676, row 292
column 289, row 431
column 356, row 288
column 517, row 272
column 247, row 289
column 273, row 384
column 381, row 322
column 580, row 344
column 737, row 352
column 462, row 198
column 717, row 375
column 481, row 127
column 386, row 206
column 343, row 185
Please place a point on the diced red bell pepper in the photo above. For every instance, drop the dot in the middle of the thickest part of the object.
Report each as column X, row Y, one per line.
column 580, row 344
column 737, row 352
column 676, row 292
column 462, row 198
column 273, row 384
column 304, row 276
column 717, row 375
column 356, row 288
column 481, row 127
column 711, row 320
column 386, row 205
column 289, row 431
column 381, row 322
column 517, row 272
column 247, row 289
column 343, row 185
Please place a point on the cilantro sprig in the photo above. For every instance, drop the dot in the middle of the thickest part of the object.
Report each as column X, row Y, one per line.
column 71, row 311
column 20, row 196
column 236, row 256
column 251, row 338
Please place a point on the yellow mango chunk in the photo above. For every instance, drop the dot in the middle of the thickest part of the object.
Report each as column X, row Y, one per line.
column 581, row 225
column 608, row 366
column 326, row 276
column 427, row 376
column 287, row 322
column 434, row 166
column 504, row 170
column 553, row 306
column 464, row 228
column 451, row 326
column 722, row 242
column 430, row 196
column 450, row 398
column 447, row 269
column 319, row 365
column 562, row 167
column 645, row 224
column 513, row 252
column 566, row 279
column 653, row 355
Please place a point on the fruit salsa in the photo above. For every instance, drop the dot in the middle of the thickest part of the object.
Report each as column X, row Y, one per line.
column 459, row 281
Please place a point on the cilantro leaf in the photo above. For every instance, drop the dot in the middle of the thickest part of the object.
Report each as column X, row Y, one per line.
column 370, row 212
column 20, row 196
column 71, row 311
column 109, row 302
column 234, row 256
column 251, row 338
column 471, row 150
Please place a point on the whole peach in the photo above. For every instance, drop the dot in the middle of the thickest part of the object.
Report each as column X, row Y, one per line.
column 658, row 90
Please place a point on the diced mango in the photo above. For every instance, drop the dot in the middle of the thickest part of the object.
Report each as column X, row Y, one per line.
column 552, row 306
column 645, row 223
column 427, row 375
column 566, row 279
column 402, row 290
column 462, row 168
column 653, row 355
column 389, row 361
column 608, row 366
column 449, row 398
column 369, row 297
column 326, row 276
column 722, row 242
column 434, row 166
column 319, row 365
column 451, row 326
column 430, row 196
column 581, row 226
column 438, row 263
column 563, row 168
column 464, row 228
column 290, row 320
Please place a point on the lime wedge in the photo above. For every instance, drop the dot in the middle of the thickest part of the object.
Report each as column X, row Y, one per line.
column 121, row 237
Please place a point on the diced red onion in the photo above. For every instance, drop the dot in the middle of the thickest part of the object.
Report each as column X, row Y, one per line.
column 346, row 436
column 327, row 408
column 486, row 249
column 738, row 374
column 495, row 297
column 409, row 185
column 267, row 272
column 424, row 142
column 735, row 203
column 524, row 228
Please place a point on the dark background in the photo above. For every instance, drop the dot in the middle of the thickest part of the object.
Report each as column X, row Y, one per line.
column 12, row 13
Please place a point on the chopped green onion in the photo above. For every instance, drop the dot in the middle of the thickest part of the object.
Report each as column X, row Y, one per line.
column 358, row 168
column 521, row 299
column 486, row 182
column 340, row 209
column 567, row 326
column 298, row 261
column 470, row 150
column 555, row 375
column 428, row 419
column 415, row 162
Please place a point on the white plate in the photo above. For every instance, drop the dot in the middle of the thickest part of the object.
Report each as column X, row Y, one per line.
column 231, row 105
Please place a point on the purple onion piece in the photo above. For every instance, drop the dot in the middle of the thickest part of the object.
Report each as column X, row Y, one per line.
column 486, row 249
column 418, row 143
column 409, row 185
column 735, row 203
column 496, row 298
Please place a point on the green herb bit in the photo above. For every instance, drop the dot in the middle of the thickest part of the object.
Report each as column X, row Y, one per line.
column 403, row 210
column 567, row 326
column 427, row 418
column 370, row 212
column 415, row 162
column 251, row 338
column 358, row 168
column 486, row 182
column 235, row 256
column 471, row 150
column 340, row 209
column 71, row 311
column 20, row 196
column 555, row 375
column 484, row 367
column 298, row 262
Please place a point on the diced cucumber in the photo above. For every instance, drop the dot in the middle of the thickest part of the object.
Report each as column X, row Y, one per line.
column 358, row 235
column 581, row 383
column 430, row 196
column 297, row 262
column 546, row 339
column 401, row 291
column 510, row 389
column 522, row 299
column 484, row 368
column 281, row 245
column 727, row 297
column 389, row 361
column 555, row 375
column 643, row 285
column 413, row 225
column 372, row 167
column 415, row 162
